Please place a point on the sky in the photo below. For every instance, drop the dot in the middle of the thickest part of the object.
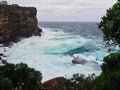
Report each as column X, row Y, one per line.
column 67, row 10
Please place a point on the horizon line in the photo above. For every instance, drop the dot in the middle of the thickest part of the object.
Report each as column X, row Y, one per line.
column 68, row 21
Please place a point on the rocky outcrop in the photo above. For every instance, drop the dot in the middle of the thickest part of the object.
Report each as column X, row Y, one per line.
column 78, row 60
column 17, row 22
column 54, row 84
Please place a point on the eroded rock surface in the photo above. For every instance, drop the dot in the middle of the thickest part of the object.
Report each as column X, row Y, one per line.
column 17, row 22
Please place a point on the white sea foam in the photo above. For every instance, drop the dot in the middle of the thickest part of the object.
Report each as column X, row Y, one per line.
column 45, row 53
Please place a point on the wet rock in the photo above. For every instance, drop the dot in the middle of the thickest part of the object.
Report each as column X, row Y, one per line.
column 5, row 50
column 1, row 54
column 78, row 60
column 4, row 61
column 0, row 58
column 4, row 56
column 109, row 49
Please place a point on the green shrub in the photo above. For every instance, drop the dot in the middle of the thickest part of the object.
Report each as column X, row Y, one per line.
column 110, row 24
column 5, row 83
column 80, row 82
column 111, row 63
column 110, row 77
column 22, row 76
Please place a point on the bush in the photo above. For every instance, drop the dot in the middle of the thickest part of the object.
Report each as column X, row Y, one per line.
column 80, row 82
column 110, row 24
column 110, row 77
column 5, row 83
column 111, row 63
column 22, row 76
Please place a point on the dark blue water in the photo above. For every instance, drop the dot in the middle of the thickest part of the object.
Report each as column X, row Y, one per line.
column 85, row 29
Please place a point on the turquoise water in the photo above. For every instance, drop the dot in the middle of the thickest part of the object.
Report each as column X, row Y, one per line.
column 59, row 44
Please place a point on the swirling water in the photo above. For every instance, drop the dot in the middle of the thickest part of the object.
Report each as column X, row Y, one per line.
column 60, row 42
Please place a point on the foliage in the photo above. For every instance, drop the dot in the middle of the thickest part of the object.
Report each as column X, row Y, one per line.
column 107, row 81
column 5, row 83
column 110, row 77
column 22, row 76
column 6, row 6
column 110, row 24
column 79, row 82
column 111, row 63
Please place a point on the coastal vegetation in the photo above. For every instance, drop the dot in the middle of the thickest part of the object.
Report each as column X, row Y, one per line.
column 80, row 82
column 20, row 77
column 110, row 76
column 110, row 24
column 6, row 6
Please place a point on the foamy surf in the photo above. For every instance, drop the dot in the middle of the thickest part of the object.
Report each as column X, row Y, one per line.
column 48, row 54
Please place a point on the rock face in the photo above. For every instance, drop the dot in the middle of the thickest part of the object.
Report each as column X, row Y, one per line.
column 17, row 22
column 78, row 60
column 53, row 84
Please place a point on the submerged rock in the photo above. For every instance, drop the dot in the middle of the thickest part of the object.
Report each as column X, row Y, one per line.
column 93, row 64
column 79, row 62
column 17, row 22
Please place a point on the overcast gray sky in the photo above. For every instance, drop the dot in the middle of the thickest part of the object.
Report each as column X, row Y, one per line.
column 68, row 10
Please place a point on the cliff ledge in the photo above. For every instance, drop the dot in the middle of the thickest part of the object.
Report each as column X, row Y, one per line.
column 17, row 22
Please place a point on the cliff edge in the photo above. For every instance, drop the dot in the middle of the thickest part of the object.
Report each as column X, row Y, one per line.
column 17, row 22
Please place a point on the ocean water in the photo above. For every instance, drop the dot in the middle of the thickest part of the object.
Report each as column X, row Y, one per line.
column 60, row 43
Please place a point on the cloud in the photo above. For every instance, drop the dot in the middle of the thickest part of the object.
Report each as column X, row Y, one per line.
column 68, row 9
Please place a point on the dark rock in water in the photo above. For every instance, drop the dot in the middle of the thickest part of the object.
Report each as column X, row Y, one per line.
column 17, row 22
column 0, row 58
column 1, row 54
column 4, row 62
column 109, row 49
column 5, row 50
column 93, row 64
column 78, row 60
column 53, row 83
column 4, row 56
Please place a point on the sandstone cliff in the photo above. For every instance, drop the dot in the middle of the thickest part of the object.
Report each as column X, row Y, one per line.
column 17, row 22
